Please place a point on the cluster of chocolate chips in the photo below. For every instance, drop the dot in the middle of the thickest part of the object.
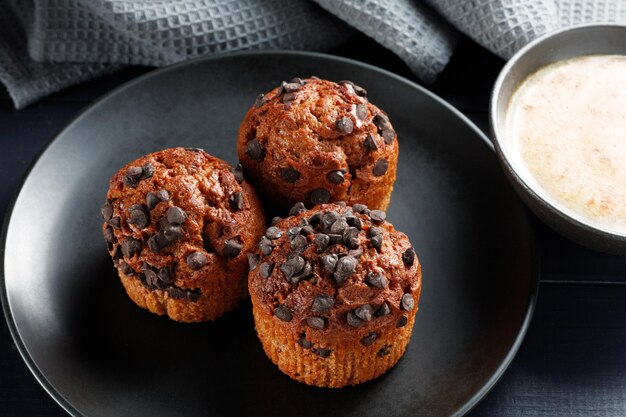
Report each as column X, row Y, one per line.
column 169, row 231
column 163, row 279
column 344, row 124
column 133, row 175
column 324, row 230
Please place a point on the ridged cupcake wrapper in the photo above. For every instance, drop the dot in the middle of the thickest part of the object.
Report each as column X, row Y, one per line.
column 222, row 296
column 349, row 363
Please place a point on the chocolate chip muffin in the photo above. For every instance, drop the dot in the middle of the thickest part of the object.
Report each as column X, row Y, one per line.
column 318, row 141
column 334, row 293
column 178, row 224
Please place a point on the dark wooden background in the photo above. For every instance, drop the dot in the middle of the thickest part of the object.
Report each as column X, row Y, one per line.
column 573, row 360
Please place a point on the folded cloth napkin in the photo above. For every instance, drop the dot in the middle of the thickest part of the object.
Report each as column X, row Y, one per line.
column 47, row 45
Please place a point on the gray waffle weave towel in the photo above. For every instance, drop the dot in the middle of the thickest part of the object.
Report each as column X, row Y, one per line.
column 47, row 45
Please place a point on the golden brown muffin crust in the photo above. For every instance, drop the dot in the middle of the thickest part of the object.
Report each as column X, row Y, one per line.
column 318, row 141
column 379, row 290
column 178, row 218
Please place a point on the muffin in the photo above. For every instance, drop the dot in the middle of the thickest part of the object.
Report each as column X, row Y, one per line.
column 178, row 224
column 317, row 141
column 334, row 294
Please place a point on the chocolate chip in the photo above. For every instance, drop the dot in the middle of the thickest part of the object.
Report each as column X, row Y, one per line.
column 166, row 275
column 307, row 230
column 306, row 271
column 293, row 232
column 275, row 220
column 109, row 237
column 345, row 125
column 132, row 175
column 139, row 216
column 273, row 233
column 389, row 135
column 377, row 242
column 236, row 201
column 231, row 248
column 322, row 304
column 316, row 218
column 175, row 292
column 346, row 266
column 299, row 243
column 353, row 320
column 171, row 233
column 378, row 215
column 151, row 277
column 115, row 222
column 157, row 242
column 125, row 268
column 315, row 322
column 364, row 312
column 304, row 344
column 253, row 260
column 376, row 279
column 384, row 351
column 259, row 101
column 319, row 196
column 297, row 80
column 265, row 246
column 339, row 226
column 238, row 173
column 407, row 303
column 195, row 149
column 130, row 246
column 254, row 150
column 370, row 143
column 321, row 352
column 354, row 221
column 289, row 175
column 297, row 208
column 336, row 177
column 351, row 237
column 147, row 171
column 369, row 339
column 361, row 112
column 283, row 313
column 383, row 310
column 402, row 321
column 408, row 257
column 107, row 211
column 356, row 253
column 321, row 241
column 381, row 122
column 374, row 231
column 360, row 208
column 329, row 218
column 292, row 266
column 289, row 97
column 265, row 269
column 175, row 216
column 153, row 199
column 292, row 87
column 359, row 91
column 329, row 262
column 196, row 260
column 380, row 167
column 335, row 238
column 281, row 89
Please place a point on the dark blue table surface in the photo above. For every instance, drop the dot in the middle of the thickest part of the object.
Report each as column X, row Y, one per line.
column 573, row 360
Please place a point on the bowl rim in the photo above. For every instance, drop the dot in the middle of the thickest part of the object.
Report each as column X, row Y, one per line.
column 501, row 150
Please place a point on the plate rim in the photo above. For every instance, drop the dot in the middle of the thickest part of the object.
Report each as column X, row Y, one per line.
column 4, row 300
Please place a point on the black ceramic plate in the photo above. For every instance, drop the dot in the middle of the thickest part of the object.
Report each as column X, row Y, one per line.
column 98, row 354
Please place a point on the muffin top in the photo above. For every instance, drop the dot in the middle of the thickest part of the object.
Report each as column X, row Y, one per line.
column 317, row 141
column 177, row 217
column 335, row 273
